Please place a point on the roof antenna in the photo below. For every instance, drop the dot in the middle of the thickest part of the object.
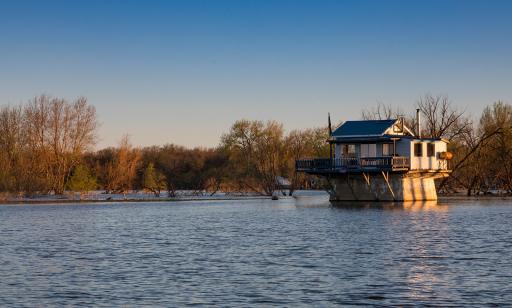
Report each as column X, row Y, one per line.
column 329, row 121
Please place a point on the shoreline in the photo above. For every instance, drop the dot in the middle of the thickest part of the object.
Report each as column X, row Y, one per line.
column 128, row 200
column 456, row 197
column 138, row 197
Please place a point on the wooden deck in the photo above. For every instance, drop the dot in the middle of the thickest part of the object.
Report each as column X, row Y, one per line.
column 353, row 165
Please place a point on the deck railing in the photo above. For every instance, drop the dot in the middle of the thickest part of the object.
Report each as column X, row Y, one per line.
column 356, row 163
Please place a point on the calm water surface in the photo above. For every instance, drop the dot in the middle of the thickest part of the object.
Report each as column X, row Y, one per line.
column 250, row 253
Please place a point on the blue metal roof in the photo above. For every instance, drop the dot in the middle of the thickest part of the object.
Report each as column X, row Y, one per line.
column 363, row 128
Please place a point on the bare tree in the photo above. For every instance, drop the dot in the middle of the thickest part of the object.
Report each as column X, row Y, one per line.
column 302, row 144
column 58, row 134
column 441, row 119
column 36, row 122
column 257, row 153
column 71, row 131
column 122, row 170
column 499, row 149
column 43, row 141
column 11, row 148
column 381, row 112
column 483, row 155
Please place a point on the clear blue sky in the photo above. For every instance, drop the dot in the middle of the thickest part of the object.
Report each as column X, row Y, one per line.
column 183, row 71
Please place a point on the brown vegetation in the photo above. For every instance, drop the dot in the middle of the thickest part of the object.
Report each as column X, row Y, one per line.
column 46, row 146
column 41, row 142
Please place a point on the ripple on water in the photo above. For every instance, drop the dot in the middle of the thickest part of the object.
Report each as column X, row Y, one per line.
column 251, row 253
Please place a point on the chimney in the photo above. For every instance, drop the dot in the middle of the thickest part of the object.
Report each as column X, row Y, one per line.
column 418, row 122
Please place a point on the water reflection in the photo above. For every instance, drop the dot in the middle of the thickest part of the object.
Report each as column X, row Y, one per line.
column 408, row 205
column 425, row 206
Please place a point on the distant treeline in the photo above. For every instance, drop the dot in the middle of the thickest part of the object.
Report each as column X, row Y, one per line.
column 46, row 146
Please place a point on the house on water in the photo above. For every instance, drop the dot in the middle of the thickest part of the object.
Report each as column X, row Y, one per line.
column 380, row 160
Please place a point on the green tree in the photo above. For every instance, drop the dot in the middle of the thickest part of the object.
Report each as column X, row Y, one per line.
column 81, row 180
column 256, row 154
column 153, row 181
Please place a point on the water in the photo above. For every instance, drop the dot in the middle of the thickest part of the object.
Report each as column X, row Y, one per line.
column 250, row 253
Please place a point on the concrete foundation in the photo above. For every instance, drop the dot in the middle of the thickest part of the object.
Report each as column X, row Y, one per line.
column 383, row 187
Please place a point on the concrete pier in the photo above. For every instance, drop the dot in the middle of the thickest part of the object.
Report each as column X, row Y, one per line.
column 384, row 187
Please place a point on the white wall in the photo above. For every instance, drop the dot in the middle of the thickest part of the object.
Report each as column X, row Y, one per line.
column 424, row 162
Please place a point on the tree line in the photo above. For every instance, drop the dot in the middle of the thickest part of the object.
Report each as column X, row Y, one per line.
column 47, row 146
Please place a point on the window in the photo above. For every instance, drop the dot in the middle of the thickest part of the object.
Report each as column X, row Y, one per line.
column 418, row 149
column 387, row 149
column 364, row 150
column 372, row 150
column 349, row 150
column 431, row 149
column 368, row 150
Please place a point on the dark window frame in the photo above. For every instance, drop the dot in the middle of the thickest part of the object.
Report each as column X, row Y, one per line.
column 418, row 149
column 431, row 149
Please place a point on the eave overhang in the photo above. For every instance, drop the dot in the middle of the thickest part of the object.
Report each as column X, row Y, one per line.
column 365, row 139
